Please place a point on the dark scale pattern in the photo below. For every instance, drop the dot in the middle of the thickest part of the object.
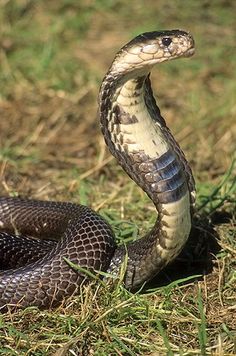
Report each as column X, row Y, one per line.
column 167, row 178
column 155, row 113
column 17, row 251
column 140, row 253
column 83, row 237
column 86, row 241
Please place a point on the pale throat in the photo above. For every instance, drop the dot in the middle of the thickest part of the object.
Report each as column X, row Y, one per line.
column 135, row 127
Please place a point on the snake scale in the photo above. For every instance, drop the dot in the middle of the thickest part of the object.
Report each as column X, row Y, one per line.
column 35, row 271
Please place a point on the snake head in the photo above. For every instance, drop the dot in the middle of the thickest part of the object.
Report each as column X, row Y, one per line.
column 150, row 48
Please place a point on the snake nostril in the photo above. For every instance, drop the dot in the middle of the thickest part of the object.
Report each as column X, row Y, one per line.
column 166, row 41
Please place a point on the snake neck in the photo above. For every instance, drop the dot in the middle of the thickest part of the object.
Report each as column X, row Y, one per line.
column 138, row 137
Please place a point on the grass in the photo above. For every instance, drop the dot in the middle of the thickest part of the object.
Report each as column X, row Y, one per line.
column 53, row 56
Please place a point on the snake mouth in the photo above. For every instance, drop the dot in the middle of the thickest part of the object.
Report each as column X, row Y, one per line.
column 189, row 52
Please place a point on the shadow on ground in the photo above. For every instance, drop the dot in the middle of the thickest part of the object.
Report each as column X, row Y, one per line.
column 199, row 254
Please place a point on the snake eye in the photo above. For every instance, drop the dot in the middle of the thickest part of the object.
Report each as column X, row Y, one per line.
column 166, row 41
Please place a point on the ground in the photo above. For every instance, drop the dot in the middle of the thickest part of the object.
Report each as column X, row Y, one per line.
column 53, row 57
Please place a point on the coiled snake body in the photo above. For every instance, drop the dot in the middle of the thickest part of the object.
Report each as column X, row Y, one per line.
column 36, row 272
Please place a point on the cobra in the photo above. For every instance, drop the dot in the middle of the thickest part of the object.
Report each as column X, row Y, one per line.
column 36, row 271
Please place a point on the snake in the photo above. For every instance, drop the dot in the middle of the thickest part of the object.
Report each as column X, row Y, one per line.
column 41, row 242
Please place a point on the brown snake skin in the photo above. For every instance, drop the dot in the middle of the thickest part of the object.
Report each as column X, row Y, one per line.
column 36, row 272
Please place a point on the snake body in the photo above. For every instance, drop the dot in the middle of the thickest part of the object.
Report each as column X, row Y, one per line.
column 38, row 273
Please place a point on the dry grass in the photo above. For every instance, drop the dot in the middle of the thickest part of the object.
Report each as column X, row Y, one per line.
column 53, row 56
